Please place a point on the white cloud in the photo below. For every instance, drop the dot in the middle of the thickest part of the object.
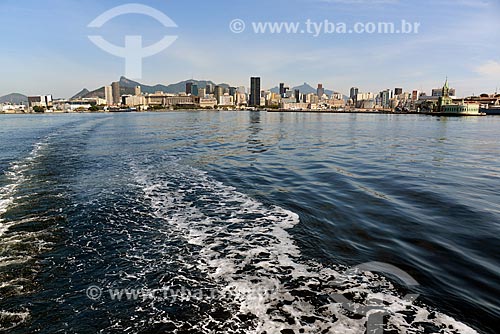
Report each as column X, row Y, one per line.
column 489, row 69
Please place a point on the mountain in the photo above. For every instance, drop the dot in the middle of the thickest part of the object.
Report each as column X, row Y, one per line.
column 81, row 94
column 127, row 87
column 170, row 89
column 14, row 98
column 304, row 89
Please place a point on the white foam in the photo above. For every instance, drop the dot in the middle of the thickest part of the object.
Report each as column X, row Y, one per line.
column 15, row 176
column 245, row 249
column 12, row 318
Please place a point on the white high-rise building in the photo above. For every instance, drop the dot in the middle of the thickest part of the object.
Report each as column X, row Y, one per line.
column 108, row 95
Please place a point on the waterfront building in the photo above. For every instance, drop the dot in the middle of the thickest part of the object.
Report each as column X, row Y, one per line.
column 336, row 103
column 320, row 91
column 415, row 94
column 226, row 100
column 385, row 97
column 353, row 94
column 133, row 101
column 210, row 88
column 338, row 96
column 297, row 95
column 43, row 101
column 137, row 91
column 207, row 102
column 189, row 88
column 398, row 91
column 218, row 92
column 241, row 99
column 12, row 108
column 202, row 92
column 168, row 100
column 282, row 89
column 232, row 91
column 116, row 93
column 446, row 104
column 195, row 90
column 108, row 95
column 255, row 99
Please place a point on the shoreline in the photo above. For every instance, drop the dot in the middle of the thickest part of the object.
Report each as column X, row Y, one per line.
column 265, row 110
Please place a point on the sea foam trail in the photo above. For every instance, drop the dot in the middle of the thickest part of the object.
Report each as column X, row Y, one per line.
column 15, row 176
column 17, row 249
column 246, row 251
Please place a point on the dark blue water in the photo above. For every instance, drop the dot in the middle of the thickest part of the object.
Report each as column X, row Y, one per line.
column 260, row 216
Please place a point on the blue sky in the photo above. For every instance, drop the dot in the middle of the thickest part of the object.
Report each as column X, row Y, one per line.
column 45, row 49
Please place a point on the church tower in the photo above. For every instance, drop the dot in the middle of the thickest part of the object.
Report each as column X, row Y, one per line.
column 445, row 98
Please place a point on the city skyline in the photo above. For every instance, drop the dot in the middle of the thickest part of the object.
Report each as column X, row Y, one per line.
column 63, row 61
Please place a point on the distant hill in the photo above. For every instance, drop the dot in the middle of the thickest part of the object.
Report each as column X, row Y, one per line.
column 14, row 98
column 304, row 89
column 127, row 87
column 170, row 89
column 81, row 94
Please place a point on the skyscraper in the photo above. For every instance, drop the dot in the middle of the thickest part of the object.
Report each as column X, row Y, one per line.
column 108, row 95
column 297, row 95
column 219, row 91
column 354, row 94
column 398, row 91
column 255, row 91
column 194, row 90
column 210, row 88
column 137, row 90
column 282, row 89
column 232, row 91
column 189, row 87
column 116, row 93
column 320, row 91
column 385, row 97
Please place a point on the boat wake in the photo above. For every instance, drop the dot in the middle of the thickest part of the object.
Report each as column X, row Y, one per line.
column 23, row 236
column 243, row 249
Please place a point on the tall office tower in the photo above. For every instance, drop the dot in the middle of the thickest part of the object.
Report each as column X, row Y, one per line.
column 202, row 92
column 255, row 91
column 116, row 93
column 320, row 91
column 232, row 91
column 297, row 95
column 282, row 89
column 385, row 97
column 398, row 91
column 210, row 88
column 218, row 91
column 195, row 90
column 354, row 94
column 137, row 90
column 189, row 88
column 108, row 95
